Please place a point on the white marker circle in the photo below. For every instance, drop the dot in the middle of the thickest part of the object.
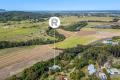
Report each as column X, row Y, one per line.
column 54, row 22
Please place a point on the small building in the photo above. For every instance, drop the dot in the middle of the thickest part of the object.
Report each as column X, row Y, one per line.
column 91, row 69
column 109, row 41
column 102, row 76
column 113, row 71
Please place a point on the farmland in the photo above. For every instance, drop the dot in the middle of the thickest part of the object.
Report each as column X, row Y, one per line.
column 25, row 30
column 71, row 19
column 14, row 60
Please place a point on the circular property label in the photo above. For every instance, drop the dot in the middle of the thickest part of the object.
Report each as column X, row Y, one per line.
column 54, row 22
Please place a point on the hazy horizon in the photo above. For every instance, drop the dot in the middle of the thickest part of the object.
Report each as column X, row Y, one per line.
column 62, row 5
column 62, row 10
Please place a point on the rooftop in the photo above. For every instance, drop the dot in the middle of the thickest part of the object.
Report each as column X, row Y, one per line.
column 91, row 69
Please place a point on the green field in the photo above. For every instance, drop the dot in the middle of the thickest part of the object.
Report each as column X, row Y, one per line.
column 26, row 30
column 74, row 41
column 67, row 20
column 23, row 30
column 17, row 34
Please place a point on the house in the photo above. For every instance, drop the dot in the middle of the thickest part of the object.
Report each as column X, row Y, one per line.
column 102, row 76
column 113, row 71
column 91, row 69
column 106, row 42
column 109, row 41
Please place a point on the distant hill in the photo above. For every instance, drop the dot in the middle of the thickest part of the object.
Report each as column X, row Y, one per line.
column 2, row 10
column 21, row 15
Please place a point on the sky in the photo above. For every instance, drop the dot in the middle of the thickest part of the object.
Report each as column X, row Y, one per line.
column 53, row 5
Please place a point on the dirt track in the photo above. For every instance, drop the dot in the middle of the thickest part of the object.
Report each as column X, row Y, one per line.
column 86, row 33
column 15, row 62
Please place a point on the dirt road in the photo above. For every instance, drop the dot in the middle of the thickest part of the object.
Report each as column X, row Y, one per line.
column 17, row 61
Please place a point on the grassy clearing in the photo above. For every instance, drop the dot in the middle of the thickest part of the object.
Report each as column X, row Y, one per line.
column 22, row 30
column 88, row 29
column 15, row 49
column 92, row 24
column 115, row 78
column 84, row 40
column 74, row 41
column 67, row 20
column 97, row 18
column 18, row 33
column 13, row 30
column 105, row 30
column 111, row 30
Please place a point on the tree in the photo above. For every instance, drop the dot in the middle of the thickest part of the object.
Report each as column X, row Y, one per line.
column 77, row 75
column 76, row 26
column 116, row 19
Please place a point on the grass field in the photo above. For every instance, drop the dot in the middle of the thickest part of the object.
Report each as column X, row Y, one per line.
column 23, row 30
column 74, row 41
column 84, row 37
column 93, row 24
column 72, row 19
column 13, row 50
column 17, row 34
column 116, row 78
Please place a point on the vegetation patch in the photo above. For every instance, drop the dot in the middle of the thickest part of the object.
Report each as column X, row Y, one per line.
column 115, row 26
column 36, row 41
column 53, row 33
column 116, row 38
column 75, row 27
column 78, row 58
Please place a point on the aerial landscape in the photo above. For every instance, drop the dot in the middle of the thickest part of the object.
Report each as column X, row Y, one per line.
column 86, row 46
